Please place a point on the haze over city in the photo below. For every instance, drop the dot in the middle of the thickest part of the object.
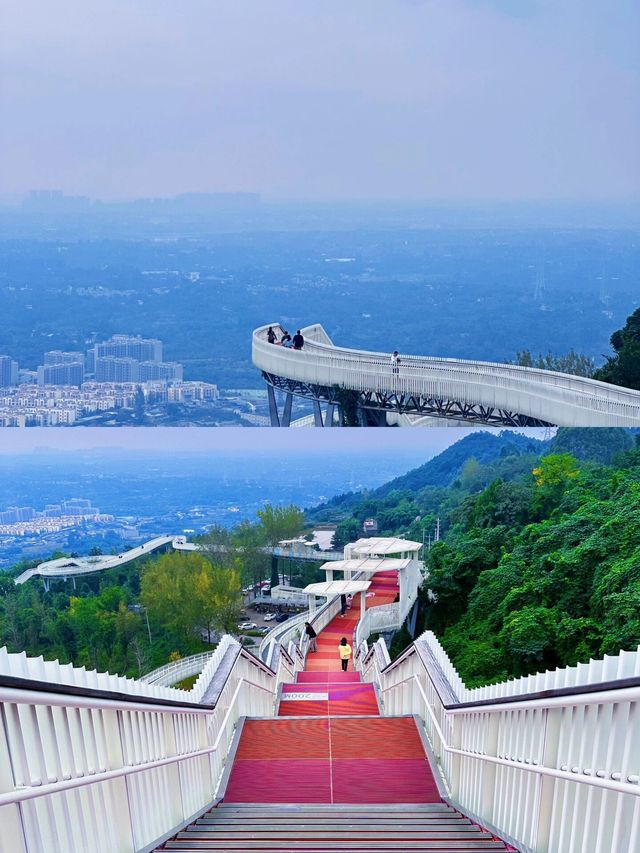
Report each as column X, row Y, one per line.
column 441, row 99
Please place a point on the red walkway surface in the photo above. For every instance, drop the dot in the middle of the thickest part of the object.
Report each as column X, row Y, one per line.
column 334, row 760
column 344, row 751
column 383, row 590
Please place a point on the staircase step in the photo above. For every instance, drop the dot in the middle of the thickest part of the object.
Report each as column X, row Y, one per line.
column 199, row 833
column 324, row 677
column 319, row 847
column 323, row 808
column 410, row 823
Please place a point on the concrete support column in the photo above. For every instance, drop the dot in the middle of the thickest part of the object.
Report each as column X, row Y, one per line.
column 317, row 414
column 363, row 603
column 312, row 603
column 329, row 573
column 328, row 421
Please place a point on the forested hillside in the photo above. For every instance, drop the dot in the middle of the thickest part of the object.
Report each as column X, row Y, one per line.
column 539, row 563
column 483, row 447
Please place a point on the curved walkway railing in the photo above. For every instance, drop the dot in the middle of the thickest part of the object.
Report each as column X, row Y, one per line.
column 545, row 395
column 176, row 671
column 548, row 760
column 71, row 567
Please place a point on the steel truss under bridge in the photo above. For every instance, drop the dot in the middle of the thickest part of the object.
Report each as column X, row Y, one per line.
column 371, row 406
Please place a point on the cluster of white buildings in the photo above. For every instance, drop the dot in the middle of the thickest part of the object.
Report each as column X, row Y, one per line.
column 71, row 385
column 24, row 520
column 62, row 405
column 50, row 525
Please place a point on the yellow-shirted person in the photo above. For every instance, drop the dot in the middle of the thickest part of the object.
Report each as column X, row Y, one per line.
column 345, row 653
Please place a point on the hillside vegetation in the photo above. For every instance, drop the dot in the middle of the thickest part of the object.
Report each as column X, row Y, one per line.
column 539, row 563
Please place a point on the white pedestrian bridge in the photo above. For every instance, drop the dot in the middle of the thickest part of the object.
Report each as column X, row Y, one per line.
column 73, row 567
column 454, row 389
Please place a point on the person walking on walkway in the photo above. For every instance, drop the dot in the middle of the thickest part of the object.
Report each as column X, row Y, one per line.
column 395, row 362
column 343, row 604
column 311, row 634
column 298, row 340
column 345, row 653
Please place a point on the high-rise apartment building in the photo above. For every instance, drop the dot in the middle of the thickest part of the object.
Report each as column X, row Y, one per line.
column 70, row 373
column 59, row 357
column 8, row 371
column 117, row 369
column 169, row 371
column 127, row 346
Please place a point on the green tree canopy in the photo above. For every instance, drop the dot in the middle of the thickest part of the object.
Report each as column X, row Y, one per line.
column 280, row 522
column 623, row 368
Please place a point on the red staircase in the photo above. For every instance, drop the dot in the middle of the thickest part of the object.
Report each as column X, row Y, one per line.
column 330, row 774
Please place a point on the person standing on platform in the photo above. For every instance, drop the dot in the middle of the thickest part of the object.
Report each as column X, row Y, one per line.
column 311, row 634
column 271, row 335
column 345, row 653
column 343, row 604
column 298, row 340
column 395, row 362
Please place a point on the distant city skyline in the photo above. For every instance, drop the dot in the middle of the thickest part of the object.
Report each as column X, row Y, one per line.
column 232, row 440
column 444, row 100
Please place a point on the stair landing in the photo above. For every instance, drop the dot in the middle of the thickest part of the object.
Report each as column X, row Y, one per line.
column 331, row 760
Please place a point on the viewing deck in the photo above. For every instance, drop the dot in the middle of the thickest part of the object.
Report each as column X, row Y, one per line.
column 449, row 388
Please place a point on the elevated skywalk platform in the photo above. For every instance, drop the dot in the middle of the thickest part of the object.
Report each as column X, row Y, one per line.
column 454, row 389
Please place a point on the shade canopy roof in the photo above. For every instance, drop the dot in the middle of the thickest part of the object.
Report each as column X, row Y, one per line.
column 337, row 587
column 384, row 545
column 367, row 564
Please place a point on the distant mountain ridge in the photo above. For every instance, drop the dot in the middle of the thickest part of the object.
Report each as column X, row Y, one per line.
column 444, row 468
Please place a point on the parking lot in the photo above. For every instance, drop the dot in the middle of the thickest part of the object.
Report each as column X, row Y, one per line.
column 264, row 615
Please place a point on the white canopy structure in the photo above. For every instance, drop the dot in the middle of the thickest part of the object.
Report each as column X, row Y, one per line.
column 332, row 588
column 383, row 545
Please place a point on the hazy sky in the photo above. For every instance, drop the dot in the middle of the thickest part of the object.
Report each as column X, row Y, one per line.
column 268, row 441
column 322, row 99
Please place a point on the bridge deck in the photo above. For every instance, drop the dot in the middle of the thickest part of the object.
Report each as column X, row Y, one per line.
column 452, row 388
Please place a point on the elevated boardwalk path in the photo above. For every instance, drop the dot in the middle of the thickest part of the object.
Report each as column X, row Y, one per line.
column 330, row 773
column 454, row 389
column 73, row 567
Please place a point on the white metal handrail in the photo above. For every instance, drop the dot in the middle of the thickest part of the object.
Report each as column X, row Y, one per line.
column 21, row 696
column 152, row 763
column 171, row 673
column 595, row 778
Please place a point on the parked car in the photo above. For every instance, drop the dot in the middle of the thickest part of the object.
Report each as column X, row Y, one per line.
column 269, row 617
column 264, row 630
column 247, row 626
column 282, row 617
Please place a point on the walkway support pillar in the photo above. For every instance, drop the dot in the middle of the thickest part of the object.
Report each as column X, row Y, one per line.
column 273, row 406
column 286, row 414
column 317, row 414
column 363, row 603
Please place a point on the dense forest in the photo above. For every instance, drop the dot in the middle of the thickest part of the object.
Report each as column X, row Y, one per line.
column 539, row 561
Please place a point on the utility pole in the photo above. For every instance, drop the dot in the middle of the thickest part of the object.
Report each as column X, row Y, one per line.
column 437, row 539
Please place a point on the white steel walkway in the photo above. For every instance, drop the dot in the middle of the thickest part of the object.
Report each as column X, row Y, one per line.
column 470, row 391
